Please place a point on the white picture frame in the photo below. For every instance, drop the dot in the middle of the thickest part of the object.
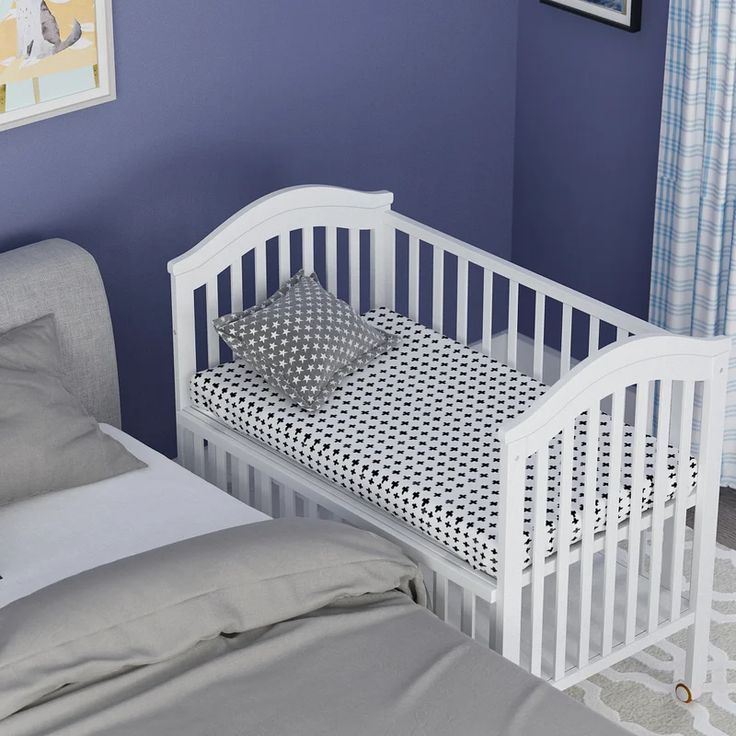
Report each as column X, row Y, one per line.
column 103, row 72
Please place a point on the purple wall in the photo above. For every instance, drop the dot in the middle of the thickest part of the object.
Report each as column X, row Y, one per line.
column 587, row 131
column 218, row 108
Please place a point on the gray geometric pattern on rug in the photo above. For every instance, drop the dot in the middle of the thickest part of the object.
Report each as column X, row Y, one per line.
column 638, row 692
column 303, row 340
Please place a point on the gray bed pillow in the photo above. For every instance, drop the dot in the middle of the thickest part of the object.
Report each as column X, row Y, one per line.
column 303, row 340
column 47, row 440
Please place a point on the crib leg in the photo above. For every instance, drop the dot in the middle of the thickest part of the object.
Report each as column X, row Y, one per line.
column 701, row 594
column 696, row 662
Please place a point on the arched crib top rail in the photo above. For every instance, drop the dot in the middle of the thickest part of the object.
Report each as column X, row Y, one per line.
column 615, row 368
column 272, row 206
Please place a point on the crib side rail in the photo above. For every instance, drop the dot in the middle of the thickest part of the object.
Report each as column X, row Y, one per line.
column 510, row 313
column 572, row 443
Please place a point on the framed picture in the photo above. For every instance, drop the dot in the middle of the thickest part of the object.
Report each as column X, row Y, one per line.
column 624, row 14
column 56, row 56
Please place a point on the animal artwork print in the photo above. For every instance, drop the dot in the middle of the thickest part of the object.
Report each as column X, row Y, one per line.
column 38, row 32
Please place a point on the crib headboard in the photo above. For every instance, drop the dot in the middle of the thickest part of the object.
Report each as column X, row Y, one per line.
column 59, row 277
column 234, row 265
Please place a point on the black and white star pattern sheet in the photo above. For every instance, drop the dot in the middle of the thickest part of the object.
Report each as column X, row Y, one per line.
column 413, row 432
column 303, row 340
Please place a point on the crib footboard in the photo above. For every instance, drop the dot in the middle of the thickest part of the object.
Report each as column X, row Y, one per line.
column 627, row 442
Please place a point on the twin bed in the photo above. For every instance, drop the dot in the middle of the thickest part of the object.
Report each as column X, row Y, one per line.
column 55, row 536
column 153, row 602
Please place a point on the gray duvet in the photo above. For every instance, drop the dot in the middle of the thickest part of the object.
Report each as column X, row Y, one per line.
column 283, row 627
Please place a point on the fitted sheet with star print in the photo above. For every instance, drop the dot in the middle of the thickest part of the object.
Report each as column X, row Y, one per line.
column 414, row 431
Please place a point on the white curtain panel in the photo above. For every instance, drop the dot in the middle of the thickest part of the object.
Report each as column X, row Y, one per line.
column 693, row 285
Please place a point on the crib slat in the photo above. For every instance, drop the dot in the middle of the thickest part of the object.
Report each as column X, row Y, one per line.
column 256, row 489
column 198, row 456
column 462, row 301
column 540, row 301
column 375, row 287
column 267, row 496
column 219, row 457
column 308, row 250
column 512, row 333
column 621, row 334
column 213, row 311
column 683, row 491
column 566, row 343
column 278, row 491
column 487, row 337
column 475, row 632
column 594, row 335
column 539, row 552
column 611, row 538
column 284, row 257
column 260, row 267
column 236, row 286
column 241, row 481
column 564, row 534
column 185, row 446
column 634, row 534
column 441, row 596
column 588, row 536
column 354, row 265
column 331, row 257
column 235, row 476
column 414, row 278
column 289, row 502
column 438, row 289
column 467, row 613
column 661, row 484
column 389, row 252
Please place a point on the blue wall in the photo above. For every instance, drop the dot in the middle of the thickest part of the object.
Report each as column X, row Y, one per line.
column 219, row 107
column 587, row 131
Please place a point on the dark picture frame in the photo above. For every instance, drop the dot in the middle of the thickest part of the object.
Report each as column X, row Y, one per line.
column 626, row 16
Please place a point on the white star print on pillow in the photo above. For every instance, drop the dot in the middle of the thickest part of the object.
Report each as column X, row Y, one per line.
column 303, row 340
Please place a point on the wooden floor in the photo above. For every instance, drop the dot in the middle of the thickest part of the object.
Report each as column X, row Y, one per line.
column 726, row 518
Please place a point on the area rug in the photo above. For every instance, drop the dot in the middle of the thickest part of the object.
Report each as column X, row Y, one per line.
column 639, row 692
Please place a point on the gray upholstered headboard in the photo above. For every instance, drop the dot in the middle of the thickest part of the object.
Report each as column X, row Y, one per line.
column 58, row 277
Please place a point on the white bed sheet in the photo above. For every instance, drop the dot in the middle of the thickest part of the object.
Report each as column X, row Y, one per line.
column 50, row 537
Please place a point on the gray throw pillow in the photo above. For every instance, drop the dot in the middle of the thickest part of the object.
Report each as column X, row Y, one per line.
column 47, row 440
column 303, row 340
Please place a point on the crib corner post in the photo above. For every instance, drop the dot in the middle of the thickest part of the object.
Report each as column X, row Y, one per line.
column 510, row 551
column 706, row 524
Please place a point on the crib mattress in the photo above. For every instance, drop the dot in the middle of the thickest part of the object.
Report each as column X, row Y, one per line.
column 414, row 434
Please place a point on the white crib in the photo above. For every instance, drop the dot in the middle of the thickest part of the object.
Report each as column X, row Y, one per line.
column 565, row 616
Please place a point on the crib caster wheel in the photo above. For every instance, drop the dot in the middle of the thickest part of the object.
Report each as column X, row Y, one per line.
column 683, row 693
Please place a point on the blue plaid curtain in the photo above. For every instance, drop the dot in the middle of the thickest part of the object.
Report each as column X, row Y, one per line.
column 693, row 287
